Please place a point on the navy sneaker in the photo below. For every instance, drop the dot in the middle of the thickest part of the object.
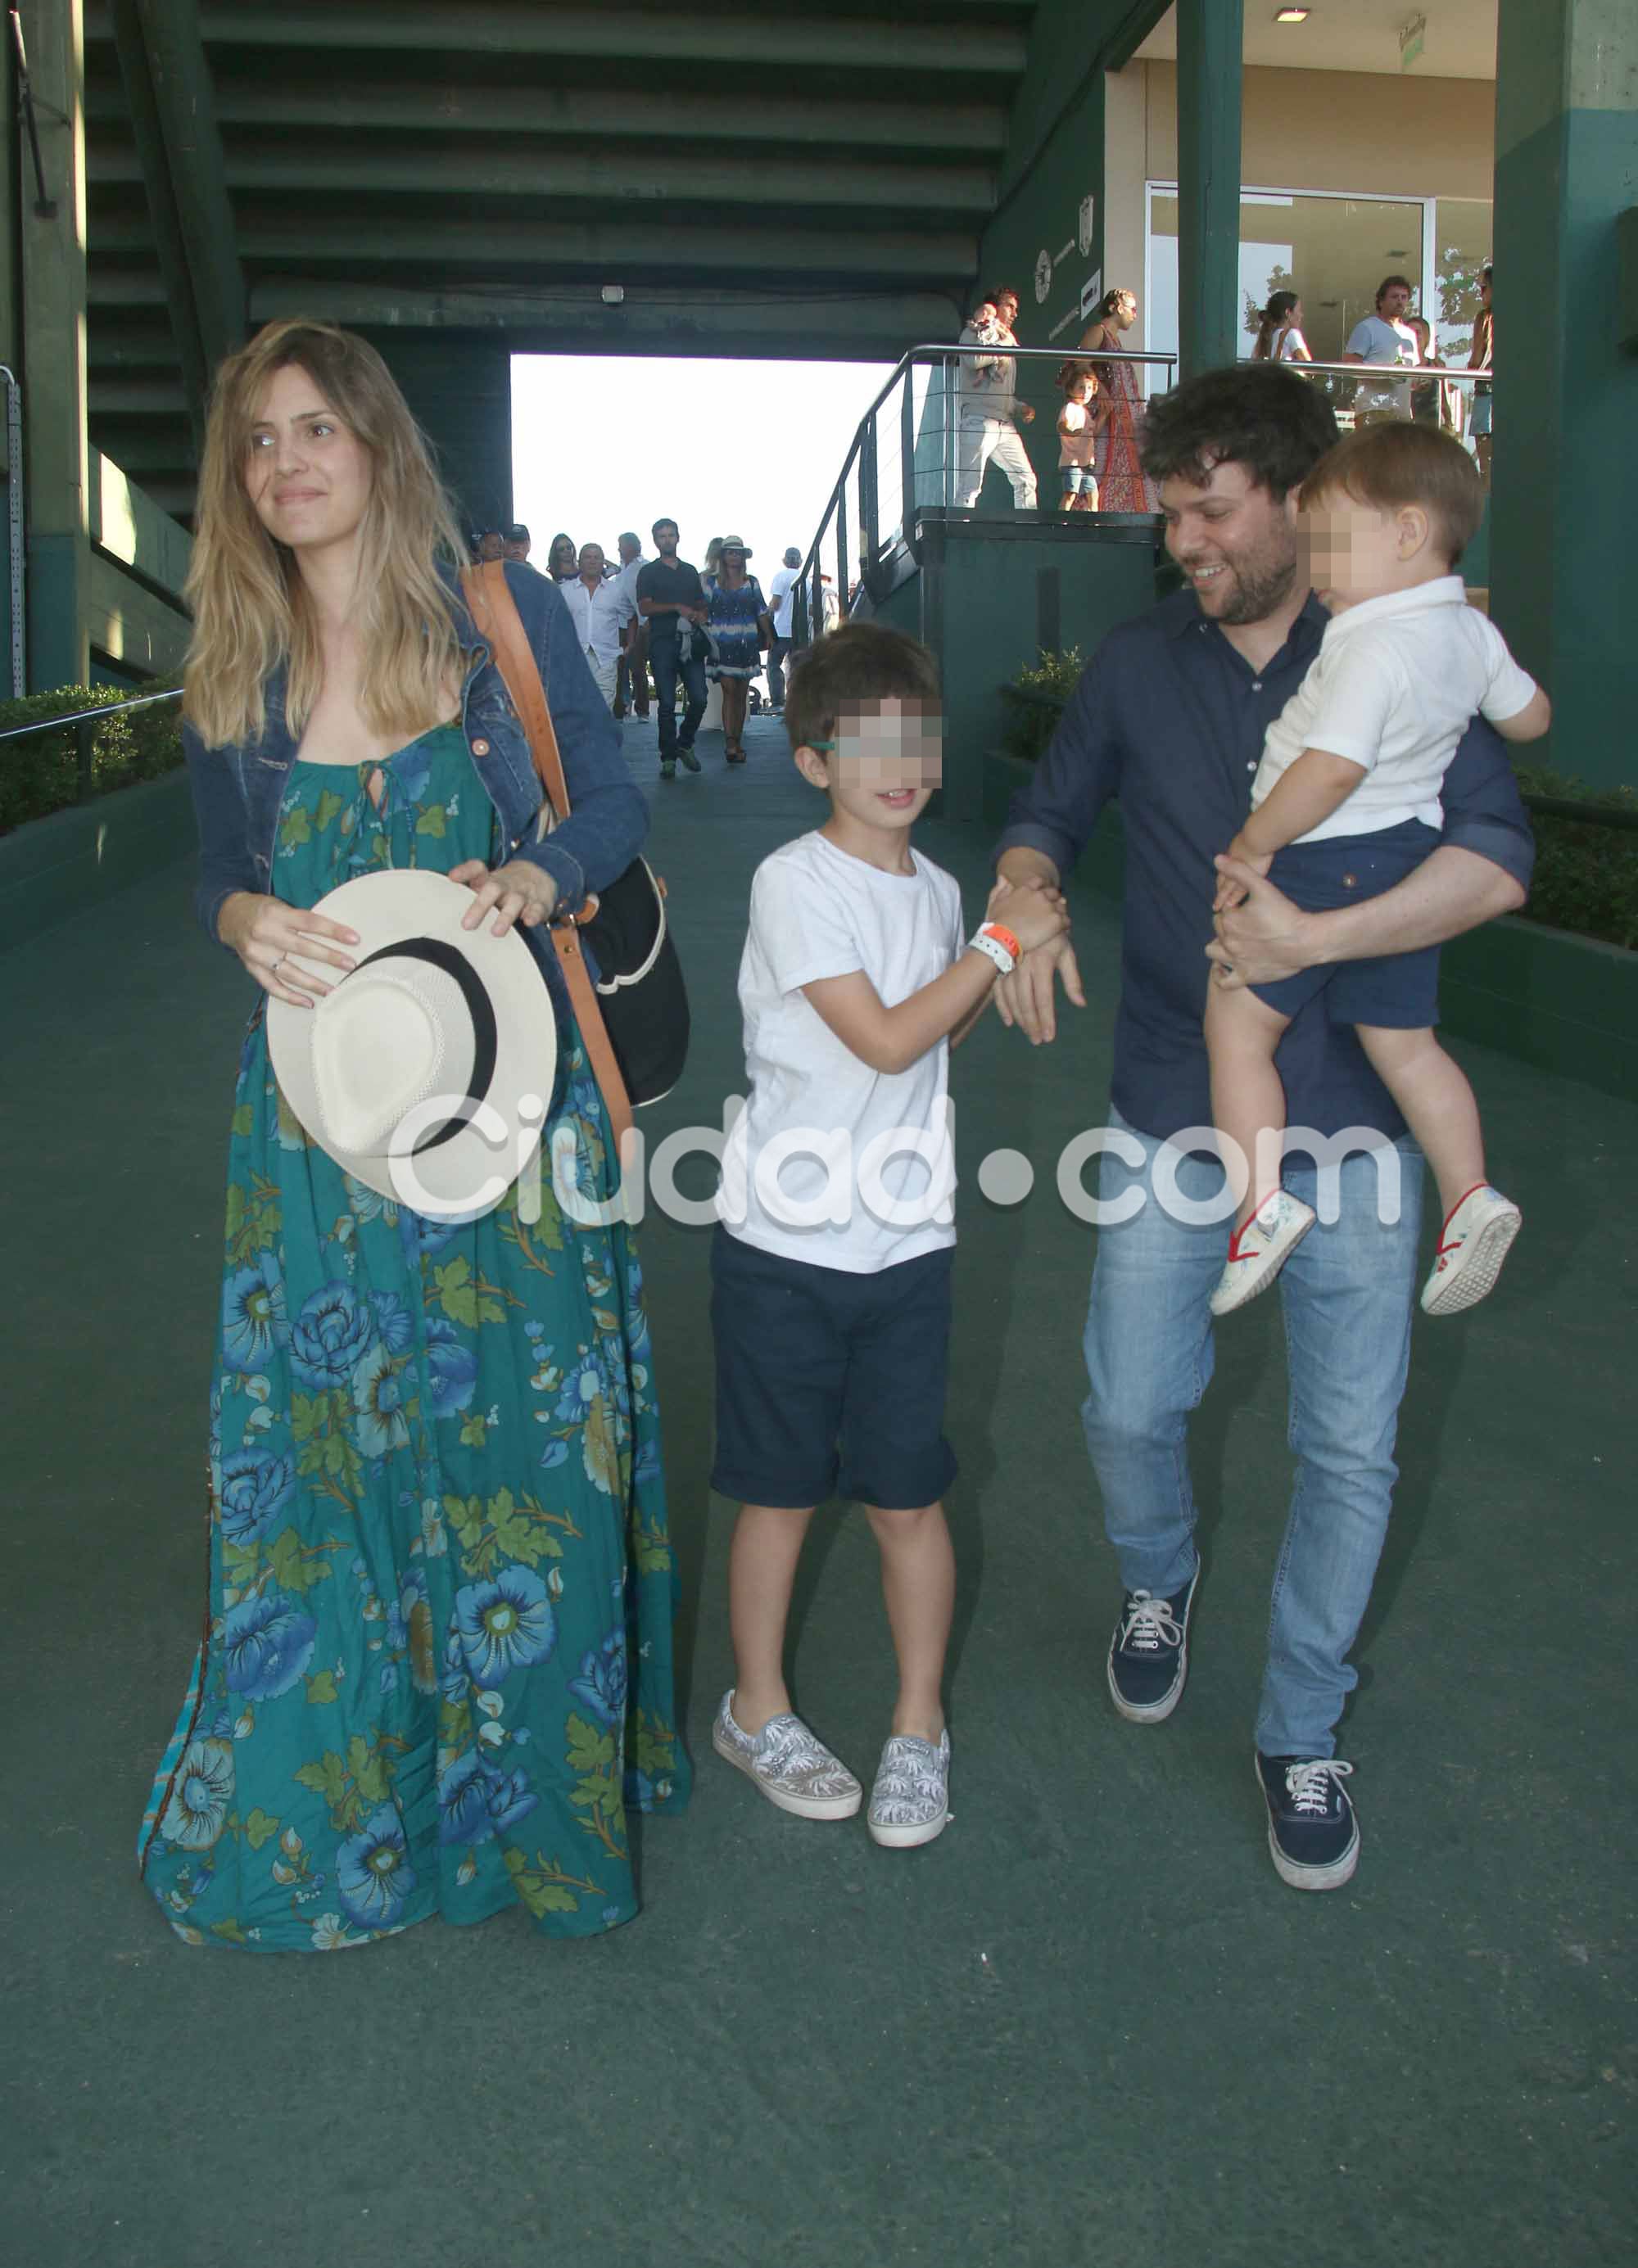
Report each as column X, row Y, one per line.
column 1148, row 1655
column 1313, row 1836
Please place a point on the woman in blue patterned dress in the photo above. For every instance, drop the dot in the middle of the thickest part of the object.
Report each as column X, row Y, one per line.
column 437, row 1662
column 739, row 629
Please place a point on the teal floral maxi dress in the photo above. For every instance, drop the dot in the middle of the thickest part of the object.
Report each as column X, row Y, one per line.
column 436, row 1662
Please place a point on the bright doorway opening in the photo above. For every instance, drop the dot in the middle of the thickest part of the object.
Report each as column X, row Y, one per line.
column 601, row 444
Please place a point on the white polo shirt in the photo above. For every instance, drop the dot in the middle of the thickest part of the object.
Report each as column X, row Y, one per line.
column 600, row 614
column 1395, row 684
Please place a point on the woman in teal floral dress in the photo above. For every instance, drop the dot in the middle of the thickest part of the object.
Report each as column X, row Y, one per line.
column 437, row 1664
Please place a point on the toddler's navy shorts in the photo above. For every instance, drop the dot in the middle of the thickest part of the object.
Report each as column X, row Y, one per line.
column 830, row 1383
column 1397, row 991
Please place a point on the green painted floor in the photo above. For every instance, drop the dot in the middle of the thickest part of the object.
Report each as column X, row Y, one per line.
column 1089, row 2025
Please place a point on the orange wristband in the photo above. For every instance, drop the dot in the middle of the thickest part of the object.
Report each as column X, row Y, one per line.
column 1004, row 937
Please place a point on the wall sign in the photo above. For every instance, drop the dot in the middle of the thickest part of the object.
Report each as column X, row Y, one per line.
column 1087, row 227
column 1042, row 276
column 1091, row 290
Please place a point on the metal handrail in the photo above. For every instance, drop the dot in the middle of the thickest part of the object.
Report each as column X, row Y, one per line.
column 98, row 715
column 1380, row 370
column 862, row 451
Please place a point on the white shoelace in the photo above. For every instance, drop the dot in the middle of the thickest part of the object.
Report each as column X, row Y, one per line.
column 1309, row 1785
column 1150, row 1624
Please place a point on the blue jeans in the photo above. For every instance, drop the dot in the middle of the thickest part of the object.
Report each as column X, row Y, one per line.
column 1347, row 1295
column 668, row 667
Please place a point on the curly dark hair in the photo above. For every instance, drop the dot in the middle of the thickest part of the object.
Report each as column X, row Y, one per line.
column 1259, row 415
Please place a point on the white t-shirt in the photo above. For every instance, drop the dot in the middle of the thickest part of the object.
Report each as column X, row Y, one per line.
column 786, row 580
column 1291, row 346
column 1395, row 684
column 1378, row 340
column 600, row 614
column 817, row 911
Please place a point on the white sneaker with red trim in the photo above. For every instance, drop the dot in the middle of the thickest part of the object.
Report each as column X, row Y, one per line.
column 1258, row 1252
column 1475, row 1241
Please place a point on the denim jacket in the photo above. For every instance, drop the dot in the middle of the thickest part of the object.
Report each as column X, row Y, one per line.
column 238, row 791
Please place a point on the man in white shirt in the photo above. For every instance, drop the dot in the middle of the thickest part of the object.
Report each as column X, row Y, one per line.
column 1385, row 338
column 631, row 684
column 780, row 604
column 599, row 607
column 989, row 404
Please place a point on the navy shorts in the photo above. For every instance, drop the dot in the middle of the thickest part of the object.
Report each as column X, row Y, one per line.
column 1397, row 991
column 830, row 1383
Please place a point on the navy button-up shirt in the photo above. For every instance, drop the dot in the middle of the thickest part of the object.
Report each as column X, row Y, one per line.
column 1169, row 719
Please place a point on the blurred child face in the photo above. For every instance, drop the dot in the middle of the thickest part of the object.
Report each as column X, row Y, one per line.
column 1353, row 551
column 984, row 315
column 1081, row 390
column 887, row 758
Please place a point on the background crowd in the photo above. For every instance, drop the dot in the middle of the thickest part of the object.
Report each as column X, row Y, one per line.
column 657, row 630
column 1100, row 425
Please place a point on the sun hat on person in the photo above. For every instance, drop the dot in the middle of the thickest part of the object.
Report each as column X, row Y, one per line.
column 427, row 1071
column 736, row 543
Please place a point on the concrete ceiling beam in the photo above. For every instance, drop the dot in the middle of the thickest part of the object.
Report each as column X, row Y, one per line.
column 573, row 319
column 167, row 83
column 551, row 172
column 931, row 49
column 616, row 116
column 693, row 256
column 110, row 285
column 136, row 397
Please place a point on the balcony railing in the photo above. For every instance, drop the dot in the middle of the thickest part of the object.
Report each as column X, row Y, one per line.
column 908, row 454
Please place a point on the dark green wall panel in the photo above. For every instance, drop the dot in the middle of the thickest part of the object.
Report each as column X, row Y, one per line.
column 460, row 391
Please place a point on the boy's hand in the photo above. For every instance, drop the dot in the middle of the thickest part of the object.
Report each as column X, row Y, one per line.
column 1035, row 914
column 1231, row 893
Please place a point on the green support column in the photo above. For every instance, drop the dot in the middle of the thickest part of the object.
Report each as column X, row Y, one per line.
column 1566, row 472
column 55, row 446
column 1210, row 39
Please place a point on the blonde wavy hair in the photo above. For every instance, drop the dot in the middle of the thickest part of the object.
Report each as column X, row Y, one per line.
column 251, row 609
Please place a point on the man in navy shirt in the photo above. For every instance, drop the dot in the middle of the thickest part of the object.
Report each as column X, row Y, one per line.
column 1168, row 719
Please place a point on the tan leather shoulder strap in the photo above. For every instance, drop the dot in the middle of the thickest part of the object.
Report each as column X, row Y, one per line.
column 495, row 614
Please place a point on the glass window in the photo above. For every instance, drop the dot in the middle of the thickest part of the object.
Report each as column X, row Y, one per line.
column 1462, row 227
column 1332, row 251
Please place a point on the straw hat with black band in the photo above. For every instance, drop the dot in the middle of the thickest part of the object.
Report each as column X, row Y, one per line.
column 426, row 1072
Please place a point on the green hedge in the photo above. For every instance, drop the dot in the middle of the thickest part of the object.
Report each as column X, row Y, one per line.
column 1586, row 876
column 41, row 774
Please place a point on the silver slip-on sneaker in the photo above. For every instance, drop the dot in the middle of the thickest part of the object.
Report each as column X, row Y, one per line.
column 911, row 1800
column 792, row 1768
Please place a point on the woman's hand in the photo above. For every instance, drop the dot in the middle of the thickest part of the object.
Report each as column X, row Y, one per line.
column 518, row 892
column 264, row 932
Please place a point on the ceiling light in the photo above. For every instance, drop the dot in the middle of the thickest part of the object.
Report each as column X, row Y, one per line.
column 1292, row 15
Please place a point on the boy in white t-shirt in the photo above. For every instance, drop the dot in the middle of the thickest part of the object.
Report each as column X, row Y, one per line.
column 1344, row 803
column 830, row 1265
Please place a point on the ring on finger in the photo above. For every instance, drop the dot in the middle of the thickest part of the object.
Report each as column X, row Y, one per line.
column 273, row 966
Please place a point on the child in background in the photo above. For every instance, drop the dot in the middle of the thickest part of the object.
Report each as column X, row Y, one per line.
column 1345, row 805
column 830, row 1265
column 1078, row 422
